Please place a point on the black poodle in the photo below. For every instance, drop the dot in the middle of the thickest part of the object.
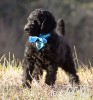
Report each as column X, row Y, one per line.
column 46, row 49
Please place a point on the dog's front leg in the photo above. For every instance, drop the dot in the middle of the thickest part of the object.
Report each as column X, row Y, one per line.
column 27, row 73
column 51, row 75
column 37, row 72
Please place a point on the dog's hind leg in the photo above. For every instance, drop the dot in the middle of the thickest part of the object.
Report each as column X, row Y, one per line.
column 73, row 77
column 69, row 68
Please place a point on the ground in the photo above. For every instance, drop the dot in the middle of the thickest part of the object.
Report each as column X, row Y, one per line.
column 11, row 84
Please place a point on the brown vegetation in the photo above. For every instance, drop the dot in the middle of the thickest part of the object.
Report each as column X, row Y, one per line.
column 78, row 16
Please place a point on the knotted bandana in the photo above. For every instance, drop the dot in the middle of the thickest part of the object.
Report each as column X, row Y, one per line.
column 39, row 41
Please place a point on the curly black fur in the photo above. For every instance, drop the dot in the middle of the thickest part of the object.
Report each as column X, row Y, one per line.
column 56, row 53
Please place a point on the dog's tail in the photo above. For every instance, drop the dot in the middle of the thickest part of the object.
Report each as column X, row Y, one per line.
column 61, row 26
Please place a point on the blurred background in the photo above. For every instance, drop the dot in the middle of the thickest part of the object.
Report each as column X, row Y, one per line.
column 77, row 14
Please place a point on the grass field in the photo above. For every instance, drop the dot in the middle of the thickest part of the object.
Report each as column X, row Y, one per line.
column 11, row 84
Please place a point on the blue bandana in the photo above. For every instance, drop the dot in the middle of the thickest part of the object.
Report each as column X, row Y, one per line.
column 39, row 41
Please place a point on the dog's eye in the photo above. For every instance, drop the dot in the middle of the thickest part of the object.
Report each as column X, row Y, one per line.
column 32, row 22
column 35, row 22
column 38, row 22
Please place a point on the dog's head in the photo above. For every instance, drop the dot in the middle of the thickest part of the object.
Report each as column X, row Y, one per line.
column 40, row 21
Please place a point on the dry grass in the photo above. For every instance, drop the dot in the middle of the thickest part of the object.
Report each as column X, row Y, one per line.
column 11, row 88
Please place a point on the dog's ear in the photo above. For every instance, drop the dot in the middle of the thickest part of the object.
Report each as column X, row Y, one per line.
column 48, row 25
column 42, row 25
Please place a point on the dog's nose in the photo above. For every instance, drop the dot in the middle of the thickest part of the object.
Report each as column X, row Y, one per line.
column 26, row 28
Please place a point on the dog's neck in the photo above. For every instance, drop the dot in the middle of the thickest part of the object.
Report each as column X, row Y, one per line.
column 40, row 41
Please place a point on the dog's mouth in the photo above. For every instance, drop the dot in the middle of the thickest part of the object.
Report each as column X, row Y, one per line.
column 29, row 30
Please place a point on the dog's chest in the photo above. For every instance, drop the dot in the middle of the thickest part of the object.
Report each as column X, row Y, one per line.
column 44, row 56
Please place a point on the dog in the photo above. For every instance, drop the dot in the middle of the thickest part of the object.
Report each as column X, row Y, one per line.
column 46, row 49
